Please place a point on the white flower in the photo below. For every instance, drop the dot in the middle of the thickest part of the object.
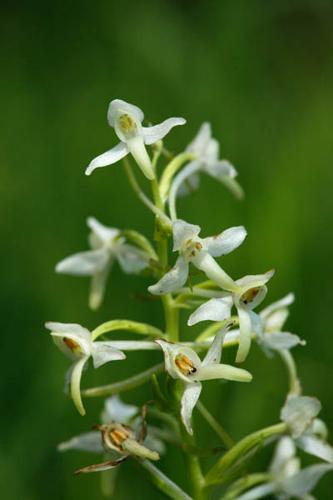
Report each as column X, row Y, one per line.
column 115, row 410
column 200, row 252
column 183, row 363
column 126, row 119
column 77, row 344
column 299, row 413
column 249, row 292
column 288, row 480
column 107, row 247
column 205, row 150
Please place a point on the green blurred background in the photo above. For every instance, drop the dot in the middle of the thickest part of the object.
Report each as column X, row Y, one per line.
column 261, row 72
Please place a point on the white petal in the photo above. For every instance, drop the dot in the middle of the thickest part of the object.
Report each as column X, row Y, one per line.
column 284, row 453
column 200, row 142
column 104, row 233
column 157, row 132
column 117, row 411
column 212, row 151
column 299, row 412
column 225, row 242
column 103, row 352
column 221, row 169
column 118, row 107
column 137, row 149
column 282, row 340
column 190, row 184
column 83, row 263
column 245, row 328
column 316, row 447
column 135, row 345
column 183, row 231
column 305, row 480
column 255, row 280
column 275, row 321
column 79, row 335
column 98, row 285
column 131, row 259
column 258, row 492
column 76, row 383
column 221, row 371
column 206, row 263
column 172, row 280
column 69, row 328
column 169, row 350
column 90, row 441
column 214, row 353
column 190, row 397
column 279, row 304
column 108, row 158
column 213, row 309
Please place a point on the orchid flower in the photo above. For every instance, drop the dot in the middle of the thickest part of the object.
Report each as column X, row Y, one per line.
column 286, row 479
column 308, row 432
column 184, row 364
column 126, row 119
column 205, row 150
column 248, row 293
column 107, row 246
column 115, row 410
column 77, row 344
column 200, row 252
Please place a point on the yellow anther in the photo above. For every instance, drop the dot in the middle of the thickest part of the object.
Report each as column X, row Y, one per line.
column 185, row 365
column 118, row 436
column 127, row 123
column 71, row 344
column 250, row 295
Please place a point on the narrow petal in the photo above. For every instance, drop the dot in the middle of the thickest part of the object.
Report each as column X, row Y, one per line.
column 299, row 412
column 137, row 148
column 110, row 464
column 83, row 263
column 221, row 371
column 245, row 327
column 258, row 492
column 131, row 259
column 316, row 447
column 76, row 383
column 284, row 453
column 214, row 353
column 104, row 233
column 201, row 140
column 279, row 304
column 225, row 242
column 103, row 352
column 233, row 186
column 117, row 411
column 98, row 285
column 206, row 263
column 170, row 351
column 172, row 280
column 190, row 397
column 213, row 310
column 90, row 441
column 282, row 340
column 221, row 169
column 108, row 158
column 305, row 480
column 157, row 132
column 182, row 232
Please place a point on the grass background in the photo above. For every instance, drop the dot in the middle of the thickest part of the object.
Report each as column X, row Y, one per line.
column 261, row 72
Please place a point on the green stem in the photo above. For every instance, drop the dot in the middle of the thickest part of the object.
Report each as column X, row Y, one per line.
column 215, row 425
column 245, row 483
column 194, row 469
column 238, row 452
column 130, row 326
column 294, row 383
column 170, row 170
column 162, row 482
column 123, row 385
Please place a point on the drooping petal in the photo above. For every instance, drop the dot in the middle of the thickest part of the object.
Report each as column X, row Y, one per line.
column 201, row 140
column 90, row 441
column 305, row 480
column 213, row 310
column 182, row 232
column 131, row 259
column 117, row 411
column 282, row 340
column 110, row 464
column 233, row 186
column 98, row 285
column 108, row 158
column 103, row 352
column 284, row 453
column 315, row 446
column 299, row 412
column 189, row 399
column 157, row 132
column 76, row 384
column 258, row 492
column 104, row 233
column 225, row 242
column 118, row 107
column 137, row 149
column 245, row 328
column 83, row 263
column 172, row 280
column 221, row 371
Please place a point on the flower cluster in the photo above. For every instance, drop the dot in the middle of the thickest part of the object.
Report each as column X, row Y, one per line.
column 197, row 280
